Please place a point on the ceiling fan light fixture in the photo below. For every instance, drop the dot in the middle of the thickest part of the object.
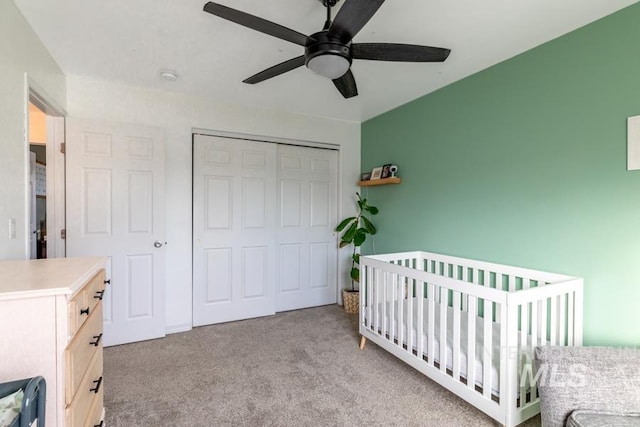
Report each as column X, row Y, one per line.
column 329, row 65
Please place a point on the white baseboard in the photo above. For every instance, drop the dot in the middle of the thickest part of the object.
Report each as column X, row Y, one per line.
column 174, row 329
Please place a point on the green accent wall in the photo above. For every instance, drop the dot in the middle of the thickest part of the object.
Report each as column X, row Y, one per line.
column 525, row 164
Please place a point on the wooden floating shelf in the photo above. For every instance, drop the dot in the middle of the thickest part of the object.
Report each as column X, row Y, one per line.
column 383, row 181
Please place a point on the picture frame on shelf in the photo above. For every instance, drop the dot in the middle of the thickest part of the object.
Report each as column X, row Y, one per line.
column 386, row 173
column 376, row 173
column 366, row 176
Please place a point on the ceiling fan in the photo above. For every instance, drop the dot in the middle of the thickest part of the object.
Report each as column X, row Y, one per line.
column 330, row 52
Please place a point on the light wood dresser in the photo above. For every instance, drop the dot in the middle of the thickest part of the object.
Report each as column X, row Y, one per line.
column 51, row 325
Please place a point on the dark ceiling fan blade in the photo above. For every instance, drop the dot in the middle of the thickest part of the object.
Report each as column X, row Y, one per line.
column 398, row 52
column 346, row 85
column 255, row 23
column 276, row 70
column 352, row 16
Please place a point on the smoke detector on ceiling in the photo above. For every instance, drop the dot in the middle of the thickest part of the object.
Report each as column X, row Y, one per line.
column 169, row 75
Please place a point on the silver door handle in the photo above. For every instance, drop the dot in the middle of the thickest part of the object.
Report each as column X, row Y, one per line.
column 158, row 244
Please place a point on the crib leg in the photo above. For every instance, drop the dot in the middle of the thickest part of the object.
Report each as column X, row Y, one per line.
column 363, row 341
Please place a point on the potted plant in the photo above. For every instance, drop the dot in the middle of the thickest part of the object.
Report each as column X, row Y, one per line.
column 354, row 231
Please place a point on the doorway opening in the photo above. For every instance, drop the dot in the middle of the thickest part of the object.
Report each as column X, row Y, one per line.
column 46, row 195
column 37, row 182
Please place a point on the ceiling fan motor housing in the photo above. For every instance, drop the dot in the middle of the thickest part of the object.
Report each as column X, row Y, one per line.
column 320, row 44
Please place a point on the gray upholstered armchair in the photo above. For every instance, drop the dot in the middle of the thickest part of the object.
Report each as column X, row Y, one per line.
column 588, row 386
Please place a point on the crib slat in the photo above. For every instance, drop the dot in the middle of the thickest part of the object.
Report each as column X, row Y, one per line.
column 431, row 312
column 487, row 352
column 562, row 309
column 400, row 323
column 456, row 336
column 384, row 319
column 542, row 318
column 420, row 320
column 496, row 284
column 409, row 287
column 444, row 303
column 364, row 275
column 392, row 312
column 523, row 354
column 524, row 324
column 374, row 279
column 553, row 322
column 476, row 276
column 534, row 324
column 570, row 323
column 471, row 342
column 503, row 353
column 578, row 313
column 462, row 275
column 375, row 302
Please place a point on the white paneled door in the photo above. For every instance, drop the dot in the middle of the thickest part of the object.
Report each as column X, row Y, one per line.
column 263, row 228
column 115, row 208
column 234, row 217
column 307, row 215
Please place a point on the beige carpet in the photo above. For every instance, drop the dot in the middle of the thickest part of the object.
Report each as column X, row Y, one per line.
column 300, row 368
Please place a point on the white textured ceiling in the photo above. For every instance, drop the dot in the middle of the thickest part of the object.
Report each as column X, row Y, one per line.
column 129, row 41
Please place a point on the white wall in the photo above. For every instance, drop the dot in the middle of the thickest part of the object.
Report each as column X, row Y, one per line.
column 20, row 52
column 178, row 115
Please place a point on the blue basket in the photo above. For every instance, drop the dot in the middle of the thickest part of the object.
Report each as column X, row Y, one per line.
column 34, row 402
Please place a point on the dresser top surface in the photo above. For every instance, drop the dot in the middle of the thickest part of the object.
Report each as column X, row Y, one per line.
column 43, row 277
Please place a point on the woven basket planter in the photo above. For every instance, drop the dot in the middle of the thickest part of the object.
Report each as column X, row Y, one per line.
column 351, row 301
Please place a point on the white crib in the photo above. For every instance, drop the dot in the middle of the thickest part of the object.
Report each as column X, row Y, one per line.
column 497, row 313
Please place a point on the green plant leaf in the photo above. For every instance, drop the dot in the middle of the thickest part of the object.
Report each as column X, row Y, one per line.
column 371, row 229
column 343, row 244
column 356, row 258
column 359, row 237
column 355, row 274
column 349, row 235
column 371, row 209
column 344, row 223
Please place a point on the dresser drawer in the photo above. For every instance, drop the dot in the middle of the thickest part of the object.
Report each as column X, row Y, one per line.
column 80, row 351
column 89, row 390
column 78, row 310
column 95, row 412
column 94, row 291
column 83, row 303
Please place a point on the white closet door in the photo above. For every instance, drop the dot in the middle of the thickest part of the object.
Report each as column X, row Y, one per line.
column 234, row 228
column 115, row 208
column 307, row 215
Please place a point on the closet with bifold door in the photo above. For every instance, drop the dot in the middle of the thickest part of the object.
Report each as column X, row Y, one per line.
column 263, row 228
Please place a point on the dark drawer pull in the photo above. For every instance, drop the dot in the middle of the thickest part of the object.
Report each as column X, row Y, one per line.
column 97, row 382
column 99, row 295
column 97, row 339
column 99, row 425
column 107, row 282
column 85, row 311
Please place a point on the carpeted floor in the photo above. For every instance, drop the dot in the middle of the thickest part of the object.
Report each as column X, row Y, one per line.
column 300, row 368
